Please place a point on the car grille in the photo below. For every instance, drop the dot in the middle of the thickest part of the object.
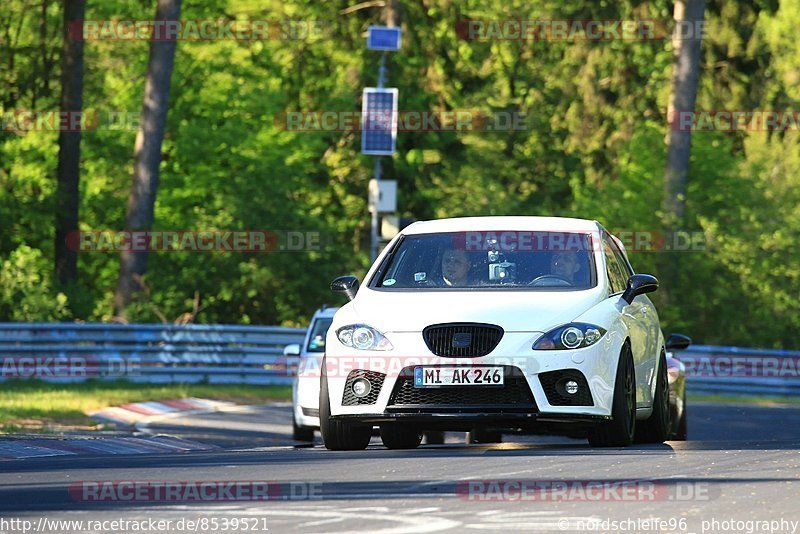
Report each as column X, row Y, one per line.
column 514, row 395
column 553, row 385
column 375, row 382
column 462, row 340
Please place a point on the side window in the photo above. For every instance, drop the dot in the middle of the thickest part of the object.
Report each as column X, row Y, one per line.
column 616, row 277
column 625, row 266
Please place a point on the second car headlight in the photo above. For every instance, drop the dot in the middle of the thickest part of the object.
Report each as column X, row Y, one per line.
column 570, row 336
column 362, row 337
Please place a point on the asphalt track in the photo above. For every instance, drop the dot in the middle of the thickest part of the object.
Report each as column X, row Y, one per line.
column 738, row 473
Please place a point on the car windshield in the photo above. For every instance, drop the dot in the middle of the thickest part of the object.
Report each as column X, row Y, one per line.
column 316, row 341
column 492, row 259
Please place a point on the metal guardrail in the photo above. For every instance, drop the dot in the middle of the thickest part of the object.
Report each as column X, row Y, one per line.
column 73, row 352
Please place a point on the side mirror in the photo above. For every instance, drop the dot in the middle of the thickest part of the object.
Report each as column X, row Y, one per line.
column 345, row 285
column 678, row 342
column 639, row 284
column 291, row 350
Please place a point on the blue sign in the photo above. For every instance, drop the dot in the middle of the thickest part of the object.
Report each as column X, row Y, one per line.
column 383, row 38
column 378, row 121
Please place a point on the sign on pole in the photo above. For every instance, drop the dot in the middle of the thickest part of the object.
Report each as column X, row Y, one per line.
column 382, row 196
column 383, row 38
column 378, row 121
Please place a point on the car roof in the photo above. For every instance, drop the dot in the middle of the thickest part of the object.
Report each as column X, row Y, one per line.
column 503, row 223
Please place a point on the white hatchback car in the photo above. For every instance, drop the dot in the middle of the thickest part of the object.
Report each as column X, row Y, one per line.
column 496, row 323
column 305, row 387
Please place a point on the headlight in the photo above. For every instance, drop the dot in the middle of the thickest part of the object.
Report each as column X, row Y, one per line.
column 570, row 336
column 362, row 337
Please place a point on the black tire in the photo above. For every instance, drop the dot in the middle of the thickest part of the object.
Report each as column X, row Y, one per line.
column 481, row 435
column 339, row 435
column 682, row 434
column 434, row 437
column 657, row 427
column 302, row 433
column 396, row 436
column 620, row 430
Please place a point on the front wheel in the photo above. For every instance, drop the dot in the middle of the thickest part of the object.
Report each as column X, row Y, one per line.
column 620, row 430
column 396, row 436
column 339, row 435
column 302, row 433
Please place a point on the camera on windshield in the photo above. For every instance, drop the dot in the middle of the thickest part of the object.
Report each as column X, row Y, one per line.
column 501, row 270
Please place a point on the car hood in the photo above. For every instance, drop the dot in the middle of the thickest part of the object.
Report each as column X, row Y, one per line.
column 514, row 311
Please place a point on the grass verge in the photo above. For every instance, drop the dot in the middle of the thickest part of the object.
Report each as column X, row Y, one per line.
column 42, row 407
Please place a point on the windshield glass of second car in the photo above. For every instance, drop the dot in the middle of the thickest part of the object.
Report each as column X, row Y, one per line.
column 481, row 260
column 316, row 341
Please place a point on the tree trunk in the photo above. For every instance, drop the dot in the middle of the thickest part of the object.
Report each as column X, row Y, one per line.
column 147, row 157
column 69, row 147
column 683, row 96
column 685, row 73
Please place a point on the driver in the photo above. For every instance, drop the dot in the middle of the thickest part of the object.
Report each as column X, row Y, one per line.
column 455, row 267
column 565, row 264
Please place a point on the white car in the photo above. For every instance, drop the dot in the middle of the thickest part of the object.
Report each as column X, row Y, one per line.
column 496, row 323
column 305, row 387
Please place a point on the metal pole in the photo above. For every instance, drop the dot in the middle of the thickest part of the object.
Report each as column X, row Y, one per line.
column 382, row 71
column 373, row 249
column 373, row 252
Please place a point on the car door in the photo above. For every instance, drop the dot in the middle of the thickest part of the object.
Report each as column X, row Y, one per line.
column 635, row 317
column 647, row 318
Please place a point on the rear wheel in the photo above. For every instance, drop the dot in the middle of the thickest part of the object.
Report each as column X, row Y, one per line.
column 396, row 436
column 434, row 437
column 481, row 435
column 656, row 428
column 620, row 430
column 339, row 435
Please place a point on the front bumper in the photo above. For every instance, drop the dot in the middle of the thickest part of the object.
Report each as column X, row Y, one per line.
column 596, row 364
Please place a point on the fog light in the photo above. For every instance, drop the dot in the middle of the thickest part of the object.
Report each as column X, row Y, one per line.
column 361, row 387
column 571, row 387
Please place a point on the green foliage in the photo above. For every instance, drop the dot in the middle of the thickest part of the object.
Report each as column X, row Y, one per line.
column 26, row 292
column 592, row 145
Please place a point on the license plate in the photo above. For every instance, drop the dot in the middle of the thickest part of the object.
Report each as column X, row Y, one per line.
column 457, row 376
